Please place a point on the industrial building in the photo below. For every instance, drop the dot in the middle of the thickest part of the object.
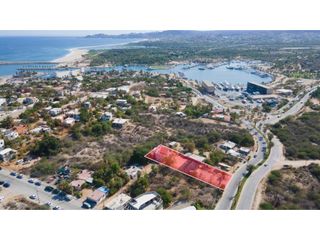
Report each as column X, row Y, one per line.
column 256, row 88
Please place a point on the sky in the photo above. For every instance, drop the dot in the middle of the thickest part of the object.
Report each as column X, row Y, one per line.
column 63, row 32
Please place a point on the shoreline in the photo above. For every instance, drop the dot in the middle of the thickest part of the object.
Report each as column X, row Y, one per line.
column 74, row 55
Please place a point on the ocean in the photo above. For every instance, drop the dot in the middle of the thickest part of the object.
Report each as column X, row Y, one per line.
column 14, row 49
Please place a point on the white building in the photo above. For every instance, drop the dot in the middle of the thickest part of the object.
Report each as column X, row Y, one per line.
column 119, row 122
column 145, row 201
column 227, row 145
column 1, row 144
column 118, row 203
column 195, row 157
column 122, row 102
column 69, row 122
column 55, row 111
column 133, row 171
column 7, row 154
column 244, row 150
column 11, row 135
column 107, row 116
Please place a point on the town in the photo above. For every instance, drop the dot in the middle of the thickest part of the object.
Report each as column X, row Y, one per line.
column 77, row 136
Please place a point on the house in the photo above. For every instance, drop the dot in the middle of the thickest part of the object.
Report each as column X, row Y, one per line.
column 173, row 144
column 1, row 144
column 40, row 129
column 11, row 135
column 233, row 153
column 107, row 116
column 96, row 197
column 244, row 150
column 74, row 114
column 69, row 122
column 118, row 203
column 2, row 101
column 55, row 111
column 85, row 175
column 224, row 166
column 122, row 102
column 227, row 145
column 87, row 105
column 133, row 171
column 195, row 157
column 145, row 201
column 119, row 122
column 181, row 114
column 21, row 129
column 7, row 154
column 124, row 88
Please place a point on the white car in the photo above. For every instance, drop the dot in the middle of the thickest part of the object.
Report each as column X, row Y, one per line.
column 1, row 198
column 33, row 196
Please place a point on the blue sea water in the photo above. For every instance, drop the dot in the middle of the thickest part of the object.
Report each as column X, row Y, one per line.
column 14, row 49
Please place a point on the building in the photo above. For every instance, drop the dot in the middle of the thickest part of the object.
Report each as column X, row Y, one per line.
column 133, row 171
column 145, row 201
column 119, row 122
column 181, row 114
column 121, row 102
column 258, row 88
column 118, row 203
column 27, row 101
column 1, row 144
column 244, row 150
column 284, row 92
column 7, row 154
column 40, row 129
column 55, row 111
column 11, row 135
column 195, row 157
column 233, row 153
column 87, row 105
column 69, row 122
column 107, row 116
column 96, row 197
column 208, row 86
column 227, row 145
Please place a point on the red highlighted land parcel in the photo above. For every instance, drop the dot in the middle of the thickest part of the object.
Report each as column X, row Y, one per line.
column 190, row 167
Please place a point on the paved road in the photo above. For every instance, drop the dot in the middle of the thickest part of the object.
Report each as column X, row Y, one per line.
column 251, row 185
column 225, row 202
column 292, row 111
column 22, row 187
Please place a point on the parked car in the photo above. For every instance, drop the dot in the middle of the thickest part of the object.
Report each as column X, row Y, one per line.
column 33, row 196
column 48, row 189
column 1, row 182
column 13, row 174
column 6, row 184
column 55, row 191
column 56, row 208
column 19, row 176
column 37, row 183
column 30, row 180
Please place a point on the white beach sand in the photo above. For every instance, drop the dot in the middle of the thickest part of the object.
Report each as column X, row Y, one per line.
column 74, row 55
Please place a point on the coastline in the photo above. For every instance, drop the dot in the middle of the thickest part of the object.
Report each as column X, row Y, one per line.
column 74, row 55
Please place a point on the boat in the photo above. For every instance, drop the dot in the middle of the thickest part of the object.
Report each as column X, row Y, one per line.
column 201, row 68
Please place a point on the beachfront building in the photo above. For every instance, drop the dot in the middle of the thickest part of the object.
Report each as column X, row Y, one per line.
column 119, row 122
column 146, row 201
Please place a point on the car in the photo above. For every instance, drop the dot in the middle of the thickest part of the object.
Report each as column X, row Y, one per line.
column 19, row 176
column 1, row 198
column 48, row 204
column 265, row 165
column 30, row 180
column 37, row 183
column 48, row 189
column 86, row 205
column 13, row 174
column 33, row 196
column 0, row 168
column 6, row 184
column 56, row 208
column 1, row 182
column 255, row 156
column 55, row 191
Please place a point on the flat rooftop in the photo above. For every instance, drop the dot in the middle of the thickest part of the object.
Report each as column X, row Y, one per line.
column 190, row 167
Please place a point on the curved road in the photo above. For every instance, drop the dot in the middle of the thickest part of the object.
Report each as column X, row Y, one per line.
column 251, row 185
column 225, row 202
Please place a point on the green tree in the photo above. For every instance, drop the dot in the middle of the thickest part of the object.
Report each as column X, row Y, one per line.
column 48, row 146
column 166, row 197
